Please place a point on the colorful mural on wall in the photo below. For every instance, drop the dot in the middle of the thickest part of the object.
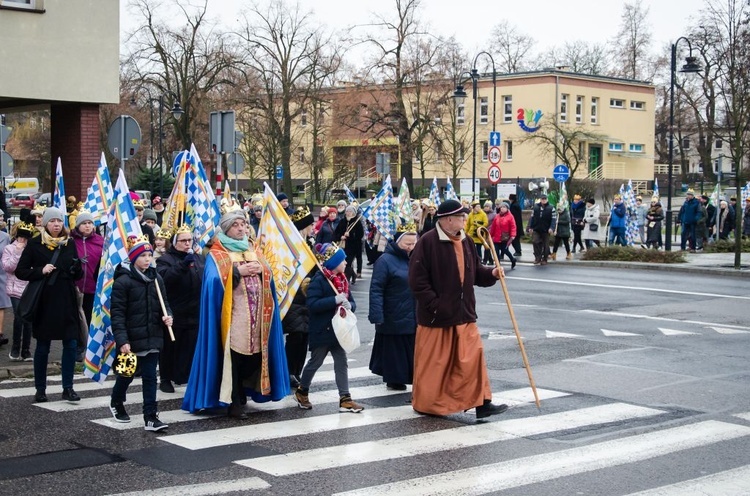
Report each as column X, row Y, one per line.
column 528, row 119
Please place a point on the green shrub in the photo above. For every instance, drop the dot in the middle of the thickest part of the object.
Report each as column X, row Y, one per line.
column 630, row 254
column 726, row 246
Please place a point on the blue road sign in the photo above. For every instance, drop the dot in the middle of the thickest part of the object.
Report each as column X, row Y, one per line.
column 279, row 172
column 561, row 173
column 494, row 138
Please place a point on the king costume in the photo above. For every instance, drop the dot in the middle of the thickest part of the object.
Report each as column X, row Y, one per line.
column 240, row 347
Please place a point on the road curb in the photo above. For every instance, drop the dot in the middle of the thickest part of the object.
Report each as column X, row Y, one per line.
column 688, row 269
column 26, row 370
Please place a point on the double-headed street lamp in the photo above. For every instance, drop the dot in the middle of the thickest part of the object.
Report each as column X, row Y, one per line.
column 176, row 112
column 459, row 95
column 691, row 66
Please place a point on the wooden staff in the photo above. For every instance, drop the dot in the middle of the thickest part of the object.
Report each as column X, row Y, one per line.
column 487, row 242
column 163, row 307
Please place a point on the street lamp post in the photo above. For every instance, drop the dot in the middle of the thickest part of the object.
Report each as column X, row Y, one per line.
column 691, row 66
column 460, row 95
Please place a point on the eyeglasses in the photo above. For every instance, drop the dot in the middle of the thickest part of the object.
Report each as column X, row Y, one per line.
column 188, row 240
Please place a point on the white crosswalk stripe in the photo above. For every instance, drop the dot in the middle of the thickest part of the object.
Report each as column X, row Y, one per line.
column 728, row 483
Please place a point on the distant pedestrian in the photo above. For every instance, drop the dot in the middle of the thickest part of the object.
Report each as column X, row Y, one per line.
column 640, row 218
column 726, row 220
column 617, row 222
column 21, row 345
column 592, row 226
column 517, row 212
column 503, row 232
column 654, row 216
column 689, row 216
column 577, row 212
column 562, row 231
column 541, row 226
column 746, row 219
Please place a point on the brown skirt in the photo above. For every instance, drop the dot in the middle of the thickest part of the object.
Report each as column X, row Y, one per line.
column 450, row 373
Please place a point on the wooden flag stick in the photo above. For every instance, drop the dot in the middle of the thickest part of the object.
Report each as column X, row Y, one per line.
column 487, row 242
column 163, row 307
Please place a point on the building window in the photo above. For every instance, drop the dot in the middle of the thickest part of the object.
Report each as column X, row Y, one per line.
column 438, row 115
column 685, row 143
column 303, row 118
column 563, row 108
column 461, row 151
column 507, row 108
column 594, row 110
column 23, row 4
column 637, row 105
column 508, row 151
column 484, row 110
column 438, row 151
column 579, row 109
column 301, row 153
column 616, row 103
column 718, row 144
column 636, row 148
column 485, row 150
column 615, row 147
column 460, row 114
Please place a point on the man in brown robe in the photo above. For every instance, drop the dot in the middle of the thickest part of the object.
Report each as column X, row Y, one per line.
column 450, row 372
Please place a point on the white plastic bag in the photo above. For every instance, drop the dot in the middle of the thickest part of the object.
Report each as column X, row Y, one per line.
column 345, row 327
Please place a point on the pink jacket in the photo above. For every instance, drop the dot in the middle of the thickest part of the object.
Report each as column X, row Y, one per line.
column 13, row 285
column 90, row 252
column 500, row 224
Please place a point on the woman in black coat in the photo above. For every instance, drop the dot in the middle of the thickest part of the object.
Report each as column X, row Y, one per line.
column 351, row 231
column 182, row 272
column 392, row 312
column 57, row 317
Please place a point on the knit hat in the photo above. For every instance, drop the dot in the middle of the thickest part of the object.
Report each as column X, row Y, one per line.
column 505, row 204
column 301, row 218
column 230, row 218
column 451, row 207
column 137, row 246
column 690, row 192
column 84, row 217
column 51, row 213
column 330, row 255
column 332, row 210
column 149, row 214
column 282, row 196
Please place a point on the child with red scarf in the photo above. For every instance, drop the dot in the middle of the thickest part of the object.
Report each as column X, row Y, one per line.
column 323, row 302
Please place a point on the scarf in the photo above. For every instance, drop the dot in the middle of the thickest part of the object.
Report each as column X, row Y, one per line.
column 231, row 244
column 51, row 242
column 339, row 281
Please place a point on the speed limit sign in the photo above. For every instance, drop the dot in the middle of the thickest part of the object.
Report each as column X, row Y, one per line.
column 494, row 155
column 493, row 174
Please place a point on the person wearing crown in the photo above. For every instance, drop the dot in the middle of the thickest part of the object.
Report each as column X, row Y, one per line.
column 138, row 326
column 240, row 347
column 450, row 371
column 21, row 346
column 162, row 242
column 392, row 311
column 182, row 271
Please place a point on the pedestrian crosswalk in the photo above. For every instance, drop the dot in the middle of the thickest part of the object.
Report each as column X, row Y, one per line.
column 573, row 435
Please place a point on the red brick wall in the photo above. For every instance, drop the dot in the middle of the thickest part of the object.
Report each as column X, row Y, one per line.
column 75, row 140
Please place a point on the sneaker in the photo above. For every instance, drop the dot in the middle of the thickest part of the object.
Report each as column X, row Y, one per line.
column 40, row 397
column 346, row 404
column 3, row 340
column 15, row 356
column 302, row 399
column 166, row 387
column 69, row 395
column 26, row 355
column 119, row 413
column 153, row 424
column 488, row 409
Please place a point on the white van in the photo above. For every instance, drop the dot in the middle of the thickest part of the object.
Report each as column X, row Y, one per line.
column 28, row 185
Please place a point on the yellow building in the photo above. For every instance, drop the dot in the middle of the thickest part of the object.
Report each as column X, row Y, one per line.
column 612, row 120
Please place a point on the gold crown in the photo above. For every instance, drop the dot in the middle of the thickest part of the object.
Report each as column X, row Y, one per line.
column 226, row 206
column 38, row 208
column 183, row 229
column 26, row 226
column 80, row 205
column 163, row 234
column 410, row 227
column 300, row 214
column 328, row 253
column 139, row 204
column 135, row 240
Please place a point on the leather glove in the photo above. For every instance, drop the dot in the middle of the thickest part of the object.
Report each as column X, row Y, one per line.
column 347, row 304
column 189, row 259
column 341, row 298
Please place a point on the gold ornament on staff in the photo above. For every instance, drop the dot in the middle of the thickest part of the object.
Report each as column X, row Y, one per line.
column 487, row 242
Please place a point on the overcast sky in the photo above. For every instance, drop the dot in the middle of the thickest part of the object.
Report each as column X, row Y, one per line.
column 550, row 22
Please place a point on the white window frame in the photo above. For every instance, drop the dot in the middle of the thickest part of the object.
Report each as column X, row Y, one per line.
column 564, row 107
column 637, row 148
column 579, row 109
column 507, row 108
column 616, row 147
column 685, row 143
column 637, row 105
column 594, row 110
column 460, row 114
column 461, row 152
column 485, row 147
column 23, row 4
column 484, row 110
column 301, row 154
column 718, row 144
column 303, row 118
column 617, row 103
column 508, row 151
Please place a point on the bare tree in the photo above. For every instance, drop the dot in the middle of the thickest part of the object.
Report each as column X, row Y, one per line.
column 579, row 56
column 632, row 42
column 283, row 49
column 512, row 47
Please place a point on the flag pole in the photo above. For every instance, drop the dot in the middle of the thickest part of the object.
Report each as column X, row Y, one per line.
column 487, row 242
column 163, row 307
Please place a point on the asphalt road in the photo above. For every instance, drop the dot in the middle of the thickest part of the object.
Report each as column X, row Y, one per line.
column 643, row 377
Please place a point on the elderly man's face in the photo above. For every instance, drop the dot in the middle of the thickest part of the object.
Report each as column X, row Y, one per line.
column 453, row 224
column 238, row 230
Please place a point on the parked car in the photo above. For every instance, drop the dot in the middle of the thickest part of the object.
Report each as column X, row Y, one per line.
column 22, row 200
column 44, row 199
